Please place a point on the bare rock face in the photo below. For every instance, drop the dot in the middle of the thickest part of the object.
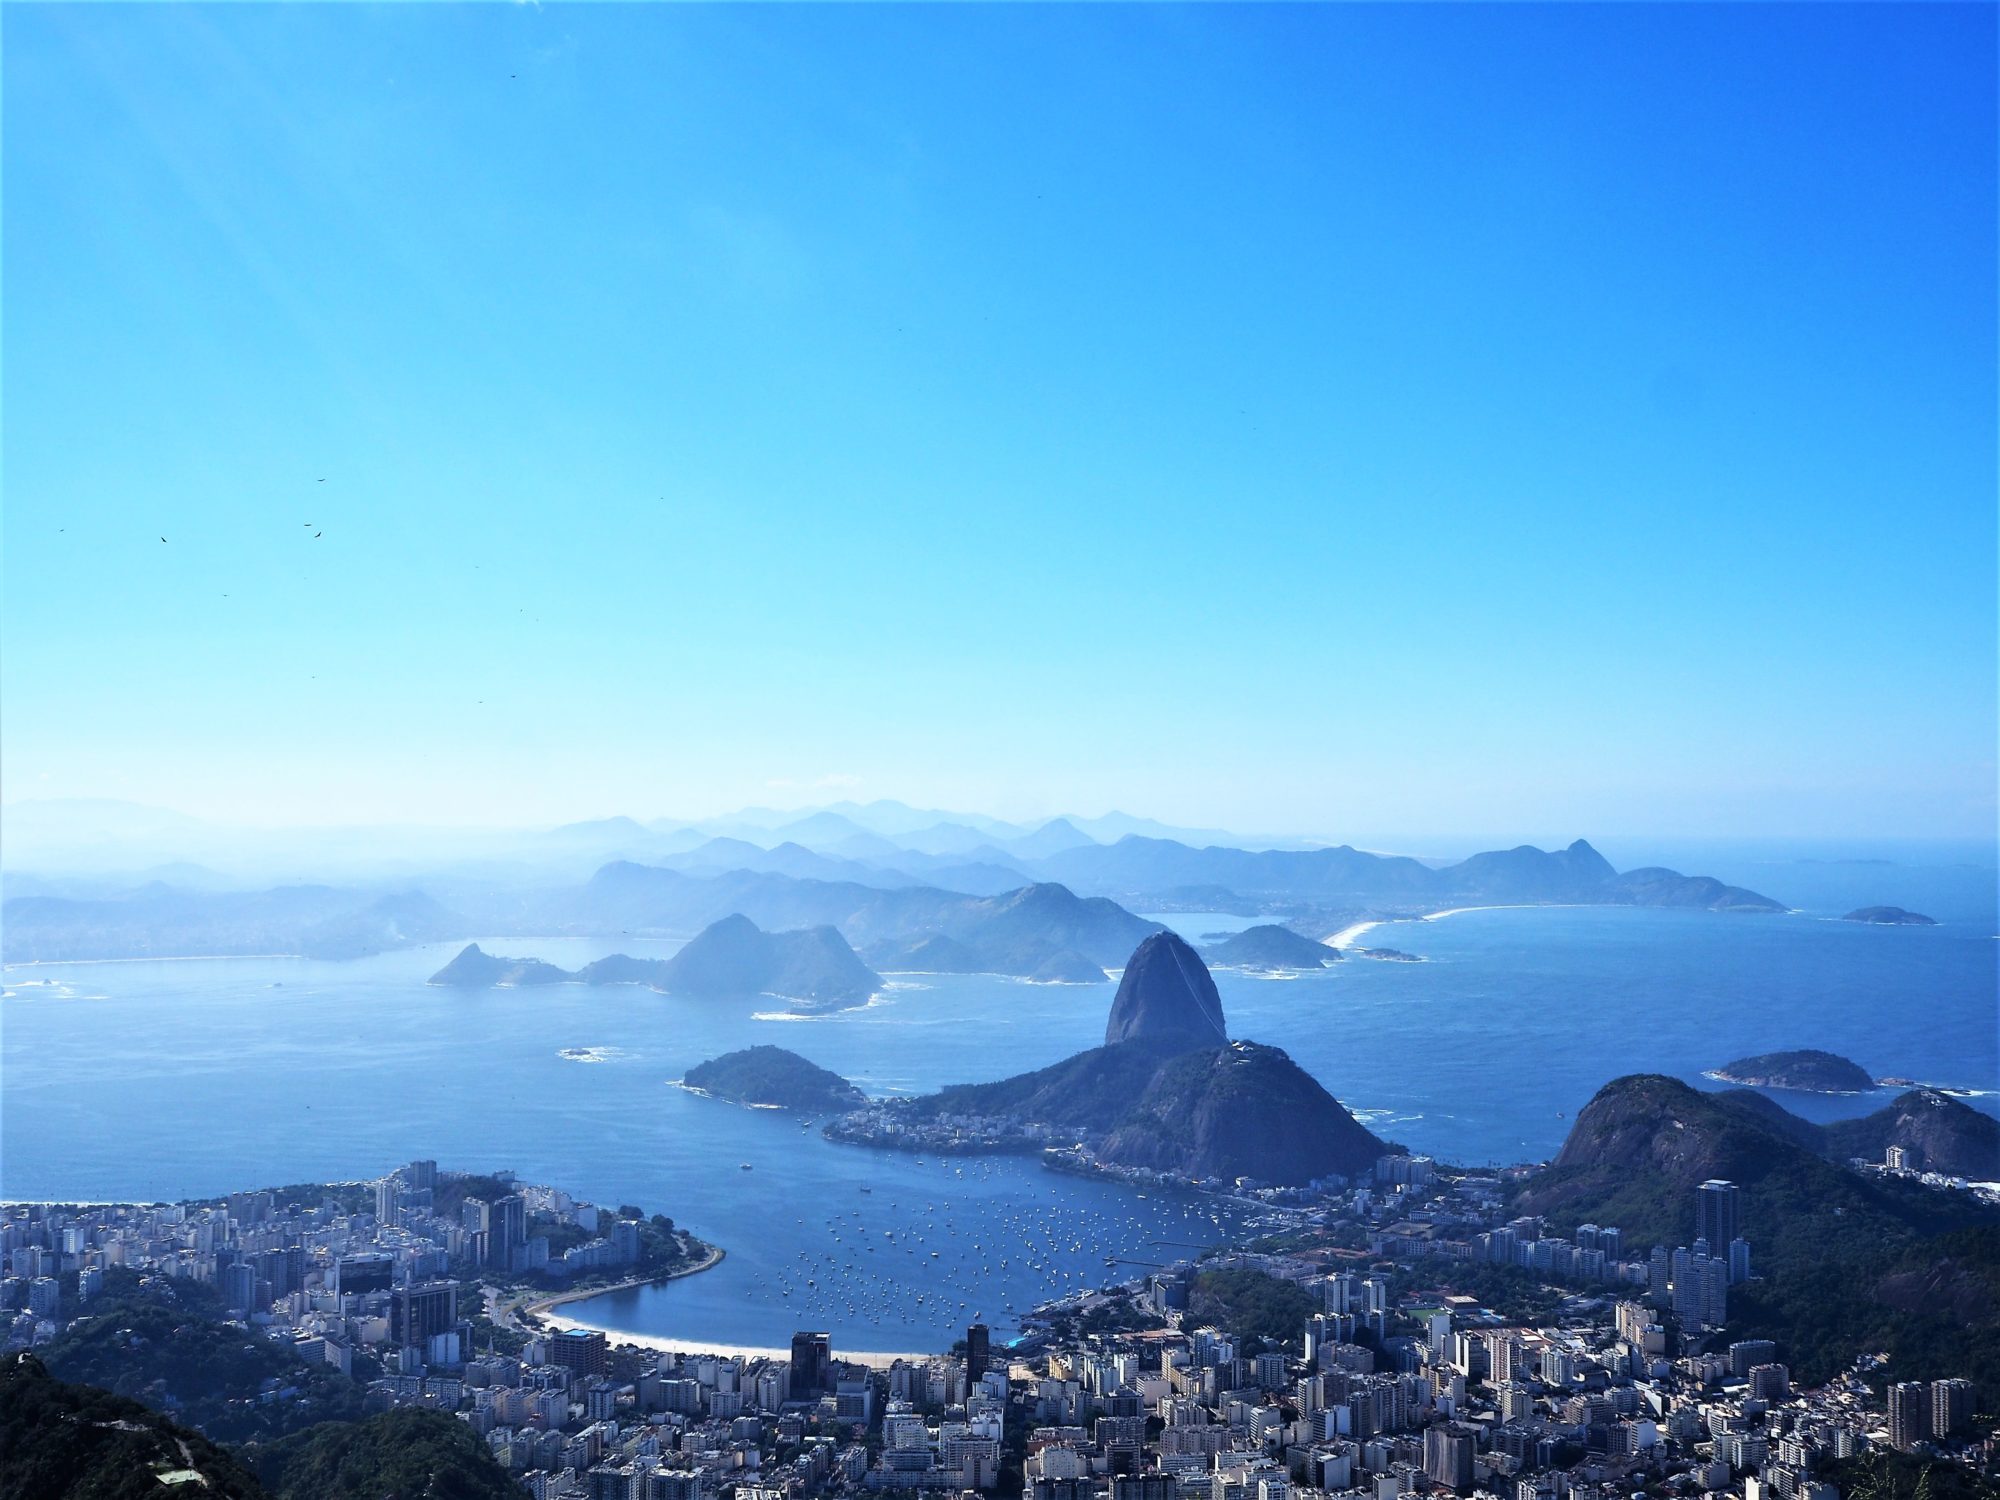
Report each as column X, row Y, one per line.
column 1166, row 997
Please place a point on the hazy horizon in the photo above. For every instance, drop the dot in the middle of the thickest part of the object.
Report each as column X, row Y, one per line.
column 1340, row 419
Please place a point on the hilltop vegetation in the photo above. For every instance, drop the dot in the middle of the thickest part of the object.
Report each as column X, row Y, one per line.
column 1943, row 1134
column 1270, row 947
column 1249, row 1304
column 407, row 1452
column 1848, row 1262
column 218, row 1376
column 1807, row 1070
column 77, row 1442
column 772, row 1075
column 63, row 1440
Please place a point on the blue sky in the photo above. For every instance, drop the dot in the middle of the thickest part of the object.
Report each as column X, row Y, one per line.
column 1557, row 420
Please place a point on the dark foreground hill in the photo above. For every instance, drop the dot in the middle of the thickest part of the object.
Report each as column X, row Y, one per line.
column 206, row 1370
column 772, row 1075
column 65, row 1441
column 77, row 1442
column 1847, row 1261
column 403, row 1453
column 1941, row 1133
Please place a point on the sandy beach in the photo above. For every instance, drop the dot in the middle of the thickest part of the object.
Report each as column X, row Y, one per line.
column 547, row 1310
column 1348, row 936
column 1345, row 938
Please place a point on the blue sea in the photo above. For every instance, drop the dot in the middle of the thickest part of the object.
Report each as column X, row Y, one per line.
column 156, row 1080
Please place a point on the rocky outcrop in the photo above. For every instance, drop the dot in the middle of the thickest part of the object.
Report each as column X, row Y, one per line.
column 476, row 969
column 735, row 957
column 1166, row 997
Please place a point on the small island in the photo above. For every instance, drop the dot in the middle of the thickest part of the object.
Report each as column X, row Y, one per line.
column 1806, row 1071
column 774, row 1078
column 1067, row 966
column 1889, row 916
column 1272, row 948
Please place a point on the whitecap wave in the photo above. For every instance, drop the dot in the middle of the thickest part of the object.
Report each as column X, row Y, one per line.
column 877, row 1001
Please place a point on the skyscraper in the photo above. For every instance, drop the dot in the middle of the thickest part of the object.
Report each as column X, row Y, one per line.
column 812, row 1364
column 978, row 1350
column 585, row 1350
column 1715, row 1214
column 1448, row 1456
column 477, row 1217
column 419, row 1311
column 1714, row 1273
column 1909, row 1414
column 509, row 1230
column 1951, row 1407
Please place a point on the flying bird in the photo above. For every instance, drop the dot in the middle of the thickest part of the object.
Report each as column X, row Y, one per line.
column 163, row 539
column 318, row 534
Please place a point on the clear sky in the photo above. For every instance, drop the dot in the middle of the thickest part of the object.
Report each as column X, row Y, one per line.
column 1569, row 419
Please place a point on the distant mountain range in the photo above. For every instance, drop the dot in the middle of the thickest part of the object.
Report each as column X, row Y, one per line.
column 1138, row 867
column 998, row 920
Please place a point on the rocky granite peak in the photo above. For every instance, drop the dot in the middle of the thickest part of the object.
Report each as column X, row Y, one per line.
column 1166, row 997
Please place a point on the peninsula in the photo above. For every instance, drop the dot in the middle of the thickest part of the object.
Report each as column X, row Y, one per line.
column 1169, row 1096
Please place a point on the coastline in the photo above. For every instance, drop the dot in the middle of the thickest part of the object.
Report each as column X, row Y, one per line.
column 1718, row 1076
column 1345, row 938
column 543, row 1309
column 146, row 958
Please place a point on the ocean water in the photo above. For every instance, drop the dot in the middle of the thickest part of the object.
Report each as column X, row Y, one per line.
column 171, row 1079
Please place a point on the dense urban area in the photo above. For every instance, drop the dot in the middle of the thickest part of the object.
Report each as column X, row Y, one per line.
column 1400, row 1333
